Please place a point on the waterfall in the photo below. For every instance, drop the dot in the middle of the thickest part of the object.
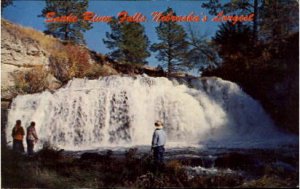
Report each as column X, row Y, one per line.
column 121, row 111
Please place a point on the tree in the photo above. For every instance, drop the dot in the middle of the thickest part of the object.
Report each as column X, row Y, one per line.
column 173, row 48
column 236, row 7
column 234, row 41
column 260, row 65
column 128, row 42
column 278, row 19
column 68, row 31
column 202, row 52
column 271, row 17
column 5, row 3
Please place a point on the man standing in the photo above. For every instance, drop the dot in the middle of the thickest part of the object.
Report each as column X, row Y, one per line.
column 31, row 138
column 158, row 143
column 18, row 134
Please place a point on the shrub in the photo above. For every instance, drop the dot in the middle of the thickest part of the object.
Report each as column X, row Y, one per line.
column 174, row 166
column 96, row 70
column 67, row 60
column 72, row 61
column 78, row 60
column 59, row 67
column 149, row 180
column 131, row 153
column 31, row 81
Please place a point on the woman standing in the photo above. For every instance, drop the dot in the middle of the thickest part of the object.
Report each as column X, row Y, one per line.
column 18, row 135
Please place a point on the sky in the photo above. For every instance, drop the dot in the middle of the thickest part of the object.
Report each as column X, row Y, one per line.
column 25, row 13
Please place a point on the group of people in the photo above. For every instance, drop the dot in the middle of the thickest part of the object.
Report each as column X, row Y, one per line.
column 18, row 134
column 158, row 140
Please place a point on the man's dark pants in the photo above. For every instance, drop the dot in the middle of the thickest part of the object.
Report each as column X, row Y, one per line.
column 159, row 154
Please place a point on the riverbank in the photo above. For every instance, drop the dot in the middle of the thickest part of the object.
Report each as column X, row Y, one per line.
column 54, row 168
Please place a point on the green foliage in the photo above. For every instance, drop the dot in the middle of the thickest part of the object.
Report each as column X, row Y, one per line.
column 267, row 70
column 128, row 42
column 173, row 46
column 272, row 19
column 231, row 6
column 5, row 3
column 263, row 57
column 278, row 19
column 237, row 7
column 68, row 31
column 233, row 40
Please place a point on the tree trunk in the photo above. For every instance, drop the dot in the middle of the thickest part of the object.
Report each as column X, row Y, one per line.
column 67, row 32
column 67, row 26
column 255, row 20
column 169, row 52
column 169, row 68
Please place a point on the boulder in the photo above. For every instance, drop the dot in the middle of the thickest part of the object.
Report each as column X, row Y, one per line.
column 53, row 83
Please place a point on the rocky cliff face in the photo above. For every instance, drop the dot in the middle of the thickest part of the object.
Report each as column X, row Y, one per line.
column 20, row 55
column 24, row 50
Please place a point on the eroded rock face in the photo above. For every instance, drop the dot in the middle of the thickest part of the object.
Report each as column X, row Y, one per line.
column 21, row 52
column 21, row 55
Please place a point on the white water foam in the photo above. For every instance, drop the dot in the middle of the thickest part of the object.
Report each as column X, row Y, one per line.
column 120, row 111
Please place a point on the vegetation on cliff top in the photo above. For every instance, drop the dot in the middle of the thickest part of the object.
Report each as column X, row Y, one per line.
column 66, row 60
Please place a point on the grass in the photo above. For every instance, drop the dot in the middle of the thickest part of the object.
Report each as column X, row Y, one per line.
column 47, row 42
column 50, row 168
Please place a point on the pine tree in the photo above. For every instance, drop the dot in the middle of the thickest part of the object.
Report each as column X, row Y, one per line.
column 233, row 40
column 279, row 19
column 173, row 48
column 68, row 31
column 128, row 42
column 5, row 3
column 237, row 7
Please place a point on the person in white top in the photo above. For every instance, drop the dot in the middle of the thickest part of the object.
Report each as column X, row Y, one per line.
column 31, row 138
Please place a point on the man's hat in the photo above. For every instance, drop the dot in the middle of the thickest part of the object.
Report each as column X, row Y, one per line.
column 158, row 124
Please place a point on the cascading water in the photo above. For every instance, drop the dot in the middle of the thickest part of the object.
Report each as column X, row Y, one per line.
column 120, row 111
